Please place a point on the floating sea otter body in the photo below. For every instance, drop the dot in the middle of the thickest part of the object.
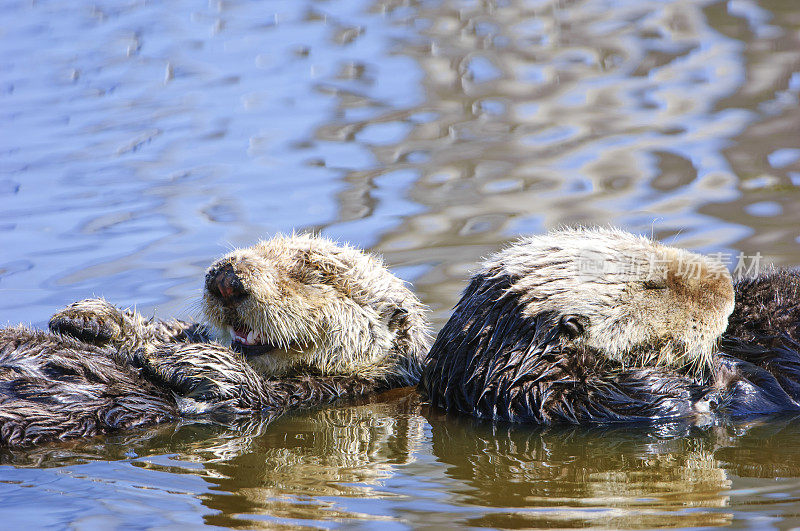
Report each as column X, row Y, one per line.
column 578, row 326
column 598, row 325
column 307, row 320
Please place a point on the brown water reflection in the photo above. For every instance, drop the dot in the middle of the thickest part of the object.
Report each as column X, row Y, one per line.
column 393, row 460
column 301, row 460
column 578, row 478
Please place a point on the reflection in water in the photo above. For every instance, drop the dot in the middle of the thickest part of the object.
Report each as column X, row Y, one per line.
column 390, row 459
column 306, row 461
column 664, row 476
column 148, row 137
column 579, row 477
column 299, row 466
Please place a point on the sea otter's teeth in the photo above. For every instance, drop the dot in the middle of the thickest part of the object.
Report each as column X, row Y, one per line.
column 240, row 336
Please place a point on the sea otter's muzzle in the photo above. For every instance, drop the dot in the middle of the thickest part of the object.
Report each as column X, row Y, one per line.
column 224, row 283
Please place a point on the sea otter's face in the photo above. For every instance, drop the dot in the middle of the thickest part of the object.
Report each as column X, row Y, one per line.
column 672, row 313
column 302, row 302
column 634, row 300
column 261, row 308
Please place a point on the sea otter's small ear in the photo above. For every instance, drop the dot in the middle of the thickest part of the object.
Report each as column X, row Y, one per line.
column 397, row 321
column 571, row 324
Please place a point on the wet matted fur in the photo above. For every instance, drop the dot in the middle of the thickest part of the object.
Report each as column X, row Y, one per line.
column 53, row 387
column 758, row 364
column 311, row 321
column 492, row 361
column 538, row 337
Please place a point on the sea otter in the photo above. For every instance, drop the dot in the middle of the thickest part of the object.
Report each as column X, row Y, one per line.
column 307, row 321
column 598, row 325
column 290, row 305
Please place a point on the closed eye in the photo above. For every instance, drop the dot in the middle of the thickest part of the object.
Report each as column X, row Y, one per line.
column 654, row 284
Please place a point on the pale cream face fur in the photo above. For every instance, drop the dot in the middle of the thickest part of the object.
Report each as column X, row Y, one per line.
column 640, row 302
column 323, row 305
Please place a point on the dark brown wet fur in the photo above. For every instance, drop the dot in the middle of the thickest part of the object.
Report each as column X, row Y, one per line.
column 490, row 361
column 56, row 387
column 767, row 306
column 759, row 358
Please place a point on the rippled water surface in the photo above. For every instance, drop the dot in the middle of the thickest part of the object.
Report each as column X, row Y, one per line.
column 142, row 139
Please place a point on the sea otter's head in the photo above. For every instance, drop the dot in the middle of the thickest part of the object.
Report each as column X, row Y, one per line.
column 301, row 302
column 630, row 298
column 584, row 325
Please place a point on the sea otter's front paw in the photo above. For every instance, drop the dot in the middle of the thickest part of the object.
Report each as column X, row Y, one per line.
column 204, row 372
column 91, row 320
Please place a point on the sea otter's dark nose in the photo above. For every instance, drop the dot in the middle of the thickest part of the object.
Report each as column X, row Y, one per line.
column 223, row 282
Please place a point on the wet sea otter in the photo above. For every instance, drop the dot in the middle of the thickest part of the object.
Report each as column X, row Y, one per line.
column 307, row 320
column 598, row 325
